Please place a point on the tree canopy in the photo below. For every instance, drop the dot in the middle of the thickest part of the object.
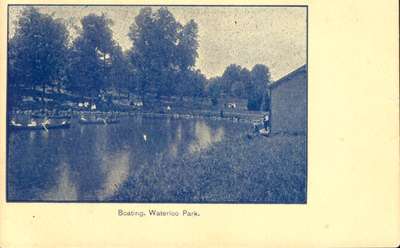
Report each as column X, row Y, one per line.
column 37, row 52
column 161, row 62
column 90, row 56
column 237, row 81
column 257, row 92
column 164, row 52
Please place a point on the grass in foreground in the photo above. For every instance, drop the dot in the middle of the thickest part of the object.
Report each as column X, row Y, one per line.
column 258, row 170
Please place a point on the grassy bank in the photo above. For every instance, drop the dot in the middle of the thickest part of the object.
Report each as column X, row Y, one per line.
column 238, row 169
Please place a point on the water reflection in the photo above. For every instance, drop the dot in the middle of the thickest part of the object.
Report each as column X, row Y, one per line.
column 116, row 170
column 204, row 137
column 63, row 133
column 92, row 162
column 173, row 149
column 100, row 142
column 65, row 188
column 32, row 136
column 45, row 134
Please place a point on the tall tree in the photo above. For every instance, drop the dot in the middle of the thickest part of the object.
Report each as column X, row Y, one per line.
column 154, row 37
column 214, row 89
column 37, row 51
column 257, row 92
column 261, row 77
column 14, row 74
column 187, row 46
column 194, row 83
column 240, row 85
column 229, row 77
column 190, row 82
column 91, row 55
column 164, row 52
column 121, row 74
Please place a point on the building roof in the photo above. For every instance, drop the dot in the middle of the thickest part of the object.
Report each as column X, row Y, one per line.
column 302, row 69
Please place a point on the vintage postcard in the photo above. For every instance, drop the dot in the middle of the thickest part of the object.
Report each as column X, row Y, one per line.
column 232, row 125
column 169, row 108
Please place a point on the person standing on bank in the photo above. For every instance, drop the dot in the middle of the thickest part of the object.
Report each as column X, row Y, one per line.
column 266, row 122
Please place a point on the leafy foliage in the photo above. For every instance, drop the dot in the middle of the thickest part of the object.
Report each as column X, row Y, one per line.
column 241, row 83
column 122, row 75
column 37, row 52
column 161, row 61
column 164, row 54
column 187, row 46
column 257, row 95
column 90, row 57
column 214, row 89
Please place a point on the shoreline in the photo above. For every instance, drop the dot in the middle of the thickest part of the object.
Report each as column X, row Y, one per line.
column 234, row 116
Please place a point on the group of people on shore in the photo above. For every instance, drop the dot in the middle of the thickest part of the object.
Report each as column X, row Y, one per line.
column 265, row 127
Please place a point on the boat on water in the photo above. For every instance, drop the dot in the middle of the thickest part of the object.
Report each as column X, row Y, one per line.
column 99, row 120
column 43, row 125
column 51, row 116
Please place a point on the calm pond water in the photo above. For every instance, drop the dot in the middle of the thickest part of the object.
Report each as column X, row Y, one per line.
column 90, row 162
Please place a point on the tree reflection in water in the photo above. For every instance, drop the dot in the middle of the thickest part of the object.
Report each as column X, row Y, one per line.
column 205, row 136
column 90, row 163
column 65, row 188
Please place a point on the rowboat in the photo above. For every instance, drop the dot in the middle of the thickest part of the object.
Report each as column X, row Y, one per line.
column 46, row 125
column 98, row 120
column 51, row 116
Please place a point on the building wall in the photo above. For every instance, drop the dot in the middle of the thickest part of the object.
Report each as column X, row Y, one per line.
column 289, row 104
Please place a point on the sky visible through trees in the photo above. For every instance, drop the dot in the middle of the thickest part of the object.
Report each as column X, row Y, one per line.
column 235, row 35
column 84, row 57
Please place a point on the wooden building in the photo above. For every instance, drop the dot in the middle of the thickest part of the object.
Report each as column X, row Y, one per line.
column 289, row 103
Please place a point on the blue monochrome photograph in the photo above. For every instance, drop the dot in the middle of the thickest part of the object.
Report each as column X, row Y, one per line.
column 157, row 104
